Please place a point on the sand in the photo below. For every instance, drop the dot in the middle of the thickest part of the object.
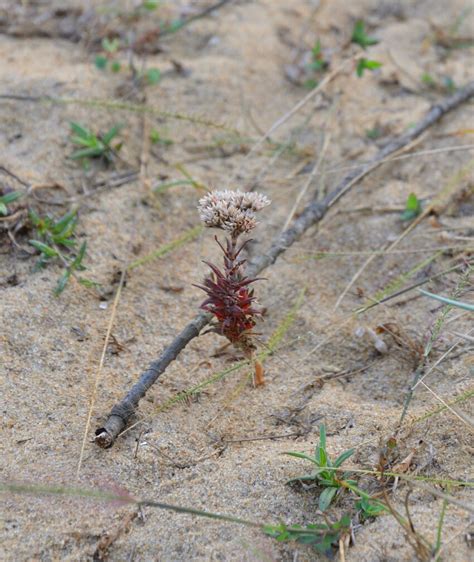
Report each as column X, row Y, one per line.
column 189, row 454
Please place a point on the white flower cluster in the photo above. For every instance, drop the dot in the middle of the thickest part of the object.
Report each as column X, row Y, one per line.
column 233, row 211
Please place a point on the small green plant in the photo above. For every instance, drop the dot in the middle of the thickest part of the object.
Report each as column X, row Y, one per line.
column 6, row 199
column 94, row 145
column 150, row 5
column 440, row 83
column 153, row 76
column 369, row 508
column 108, row 60
column 322, row 474
column 57, row 243
column 318, row 64
column 323, row 537
column 110, row 47
column 366, row 64
column 412, row 208
column 157, row 138
column 374, row 133
column 359, row 35
column 428, row 80
column 327, row 475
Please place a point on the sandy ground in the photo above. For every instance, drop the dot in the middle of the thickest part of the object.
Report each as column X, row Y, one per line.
column 235, row 62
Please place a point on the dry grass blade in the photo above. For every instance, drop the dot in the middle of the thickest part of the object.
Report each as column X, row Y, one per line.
column 99, row 370
column 463, row 417
column 442, row 358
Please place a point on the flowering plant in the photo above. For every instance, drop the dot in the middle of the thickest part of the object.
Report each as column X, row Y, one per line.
column 229, row 297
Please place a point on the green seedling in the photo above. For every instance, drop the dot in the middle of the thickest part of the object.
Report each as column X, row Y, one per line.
column 366, row 64
column 57, row 243
column 150, row 5
column 442, row 84
column 153, row 76
column 327, row 475
column 317, row 65
column 157, row 138
column 110, row 47
column 428, row 80
column 374, row 133
column 360, row 36
column 323, row 537
column 369, row 508
column 6, row 199
column 94, row 146
column 412, row 208
column 329, row 480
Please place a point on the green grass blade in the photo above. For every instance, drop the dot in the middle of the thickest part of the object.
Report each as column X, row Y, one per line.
column 445, row 300
column 343, row 457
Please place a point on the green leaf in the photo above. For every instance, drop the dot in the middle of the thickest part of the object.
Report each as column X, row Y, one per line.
column 77, row 263
column 370, row 508
column 153, row 76
column 44, row 248
column 412, row 208
column 63, row 280
column 10, row 197
column 67, row 242
column 110, row 45
column 343, row 523
column 81, row 141
column 326, row 498
column 316, row 50
column 34, row 217
column 175, row 25
column 87, row 153
column 322, row 436
column 100, row 62
column 360, row 36
column 88, row 283
column 304, row 478
column 373, row 134
column 66, row 224
column 156, row 138
column 365, row 64
column 343, row 457
column 150, row 5
column 321, row 444
column 302, row 456
column 445, row 300
column 80, row 130
column 322, row 456
column 428, row 79
column 110, row 134
column 310, row 84
column 3, row 209
column 115, row 66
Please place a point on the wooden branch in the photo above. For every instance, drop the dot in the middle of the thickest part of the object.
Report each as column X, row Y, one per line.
column 312, row 214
